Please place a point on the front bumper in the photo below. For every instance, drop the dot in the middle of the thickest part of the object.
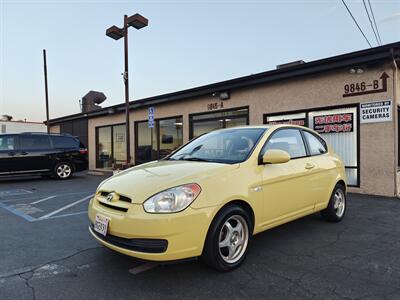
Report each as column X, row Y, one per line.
column 183, row 234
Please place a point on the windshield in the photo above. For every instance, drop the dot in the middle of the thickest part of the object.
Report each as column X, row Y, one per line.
column 225, row 146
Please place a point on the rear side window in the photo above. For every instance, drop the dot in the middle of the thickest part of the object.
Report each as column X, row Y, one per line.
column 7, row 143
column 288, row 140
column 62, row 142
column 34, row 142
column 315, row 144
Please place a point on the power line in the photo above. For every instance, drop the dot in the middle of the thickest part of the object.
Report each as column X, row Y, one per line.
column 370, row 22
column 373, row 17
column 359, row 28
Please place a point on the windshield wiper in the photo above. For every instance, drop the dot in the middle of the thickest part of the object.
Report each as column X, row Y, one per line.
column 195, row 159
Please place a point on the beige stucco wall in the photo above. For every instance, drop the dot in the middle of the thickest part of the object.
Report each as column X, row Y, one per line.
column 377, row 140
column 55, row 129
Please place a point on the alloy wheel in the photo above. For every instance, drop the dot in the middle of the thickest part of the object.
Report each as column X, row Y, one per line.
column 233, row 239
column 64, row 171
column 339, row 203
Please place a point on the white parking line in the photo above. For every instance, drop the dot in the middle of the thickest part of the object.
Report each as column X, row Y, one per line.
column 142, row 268
column 65, row 207
column 44, row 199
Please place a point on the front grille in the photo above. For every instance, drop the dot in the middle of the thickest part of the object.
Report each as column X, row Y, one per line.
column 113, row 207
column 121, row 197
column 125, row 199
column 140, row 245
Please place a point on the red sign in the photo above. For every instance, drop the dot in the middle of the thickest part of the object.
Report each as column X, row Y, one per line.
column 334, row 123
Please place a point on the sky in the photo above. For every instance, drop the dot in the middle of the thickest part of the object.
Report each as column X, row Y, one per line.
column 187, row 43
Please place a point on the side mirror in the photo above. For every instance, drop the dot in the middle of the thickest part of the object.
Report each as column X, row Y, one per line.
column 275, row 156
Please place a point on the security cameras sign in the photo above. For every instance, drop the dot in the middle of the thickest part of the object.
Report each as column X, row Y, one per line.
column 334, row 123
column 374, row 112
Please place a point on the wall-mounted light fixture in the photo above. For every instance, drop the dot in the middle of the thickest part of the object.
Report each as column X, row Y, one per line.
column 356, row 70
column 224, row 95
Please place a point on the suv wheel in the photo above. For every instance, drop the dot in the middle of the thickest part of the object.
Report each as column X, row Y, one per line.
column 63, row 170
column 228, row 239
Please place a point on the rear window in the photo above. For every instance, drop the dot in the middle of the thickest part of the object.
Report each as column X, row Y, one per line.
column 34, row 142
column 7, row 143
column 62, row 142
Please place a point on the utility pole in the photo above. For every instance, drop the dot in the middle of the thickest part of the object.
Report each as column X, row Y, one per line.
column 46, row 90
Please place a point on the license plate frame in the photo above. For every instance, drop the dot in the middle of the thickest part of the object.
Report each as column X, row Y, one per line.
column 101, row 224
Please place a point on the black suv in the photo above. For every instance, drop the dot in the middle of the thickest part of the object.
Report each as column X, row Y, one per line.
column 57, row 155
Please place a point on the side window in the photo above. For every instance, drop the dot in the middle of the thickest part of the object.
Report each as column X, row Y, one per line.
column 288, row 140
column 7, row 143
column 315, row 144
column 62, row 142
column 34, row 142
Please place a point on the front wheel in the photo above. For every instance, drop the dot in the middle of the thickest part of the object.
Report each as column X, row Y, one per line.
column 228, row 239
column 63, row 170
column 336, row 206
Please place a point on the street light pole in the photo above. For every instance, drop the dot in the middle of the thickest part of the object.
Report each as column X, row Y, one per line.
column 46, row 90
column 126, row 82
column 116, row 33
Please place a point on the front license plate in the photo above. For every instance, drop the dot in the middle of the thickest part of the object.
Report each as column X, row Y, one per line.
column 101, row 224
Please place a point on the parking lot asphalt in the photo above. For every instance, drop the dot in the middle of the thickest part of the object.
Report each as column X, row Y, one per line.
column 46, row 252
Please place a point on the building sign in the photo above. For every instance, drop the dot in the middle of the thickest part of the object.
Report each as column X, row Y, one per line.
column 301, row 122
column 334, row 123
column 215, row 105
column 373, row 112
column 151, row 117
column 364, row 88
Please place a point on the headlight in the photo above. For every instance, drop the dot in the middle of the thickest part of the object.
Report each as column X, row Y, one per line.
column 172, row 200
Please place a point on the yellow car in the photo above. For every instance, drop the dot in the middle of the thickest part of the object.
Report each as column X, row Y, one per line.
column 210, row 196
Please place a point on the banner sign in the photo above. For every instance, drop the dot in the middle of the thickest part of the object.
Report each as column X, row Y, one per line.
column 374, row 112
column 334, row 123
column 151, row 117
column 301, row 122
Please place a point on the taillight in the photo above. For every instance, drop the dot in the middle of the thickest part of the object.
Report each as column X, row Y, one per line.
column 83, row 151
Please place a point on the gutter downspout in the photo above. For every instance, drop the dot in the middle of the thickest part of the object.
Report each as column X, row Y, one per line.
column 395, row 112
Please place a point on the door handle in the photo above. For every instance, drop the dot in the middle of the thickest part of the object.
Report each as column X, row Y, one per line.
column 309, row 166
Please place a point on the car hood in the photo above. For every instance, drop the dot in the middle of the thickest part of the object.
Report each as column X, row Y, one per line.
column 141, row 182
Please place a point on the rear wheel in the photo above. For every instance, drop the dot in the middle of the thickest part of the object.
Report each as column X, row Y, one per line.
column 63, row 170
column 228, row 239
column 337, row 205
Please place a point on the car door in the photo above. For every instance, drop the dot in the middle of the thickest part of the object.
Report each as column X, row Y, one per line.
column 8, row 159
column 322, row 170
column 34, row 150
column 286, row 188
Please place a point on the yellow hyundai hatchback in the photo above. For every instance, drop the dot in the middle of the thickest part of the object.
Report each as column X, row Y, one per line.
column 210, row 197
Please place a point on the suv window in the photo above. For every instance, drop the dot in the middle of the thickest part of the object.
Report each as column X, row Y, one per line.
column 62, row 142
column 34, row 142
column 288, row 140
column 7, row 142
column 315, row 144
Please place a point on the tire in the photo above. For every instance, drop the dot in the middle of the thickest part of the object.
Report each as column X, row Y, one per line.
column 63, row 170
column 337, row 205
column 231, row 227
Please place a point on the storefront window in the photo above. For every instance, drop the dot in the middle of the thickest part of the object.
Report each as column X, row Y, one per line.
column 156, row 143
column 170, row 135
column 338, row 127
column 203, row 123
column 104, row 148
column 146, row 146
column 111, row 146
column 119, row 143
